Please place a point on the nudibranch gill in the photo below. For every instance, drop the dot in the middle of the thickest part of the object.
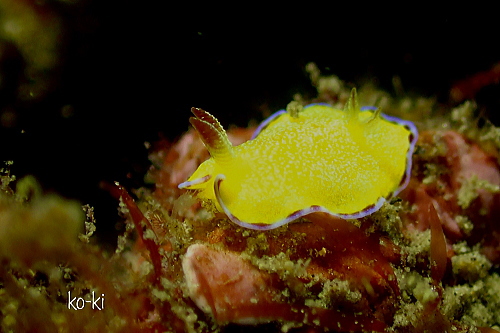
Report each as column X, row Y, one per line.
column 344, row 163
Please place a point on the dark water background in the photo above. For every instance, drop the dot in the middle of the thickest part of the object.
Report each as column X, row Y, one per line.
column 130, row 72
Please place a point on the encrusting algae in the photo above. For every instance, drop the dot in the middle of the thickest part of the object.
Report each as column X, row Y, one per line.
column 426, row 260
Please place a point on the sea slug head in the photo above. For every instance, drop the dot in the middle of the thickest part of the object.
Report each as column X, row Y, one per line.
column 215, row 139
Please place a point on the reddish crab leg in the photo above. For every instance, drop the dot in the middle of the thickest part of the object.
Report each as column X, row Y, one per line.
column 140, row 222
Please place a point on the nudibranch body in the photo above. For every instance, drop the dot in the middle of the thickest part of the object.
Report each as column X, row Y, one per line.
column 345, row 163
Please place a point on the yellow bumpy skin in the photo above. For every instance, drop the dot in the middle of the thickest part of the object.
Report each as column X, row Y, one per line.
column 345, row 163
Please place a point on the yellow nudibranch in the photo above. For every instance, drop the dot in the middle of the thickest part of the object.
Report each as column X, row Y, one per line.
column 344, row 163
